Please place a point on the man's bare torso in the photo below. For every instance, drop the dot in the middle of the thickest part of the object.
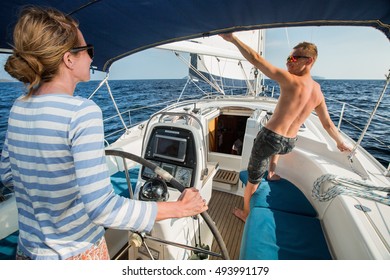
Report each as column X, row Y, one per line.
column 297, row 100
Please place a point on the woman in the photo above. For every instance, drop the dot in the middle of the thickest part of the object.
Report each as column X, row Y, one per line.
column 53, row 153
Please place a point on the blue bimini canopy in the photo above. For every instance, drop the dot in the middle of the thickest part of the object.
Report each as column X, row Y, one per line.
column 118, row 28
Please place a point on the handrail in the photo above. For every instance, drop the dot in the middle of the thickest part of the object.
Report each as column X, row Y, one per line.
column 355, row 126
column 357, row 108
column 352, row 153
column 352, row 125
column 370, row 119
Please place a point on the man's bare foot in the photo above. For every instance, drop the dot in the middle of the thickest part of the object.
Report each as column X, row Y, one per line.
column 239, row 214
column 273, row 177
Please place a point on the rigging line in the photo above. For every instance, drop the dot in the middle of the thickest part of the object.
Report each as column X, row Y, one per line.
column 287, row 37
column 214, row 81
column 368, row 134
column 220, row 72
column 218, row 89
column 387, row 81
column 205, row 93
column 184, row 88
column 213, row 85
column 357, row 108
column 259, row 78
column 115, row 105
column 105, row 81
column 100, row 85
column 248, row 84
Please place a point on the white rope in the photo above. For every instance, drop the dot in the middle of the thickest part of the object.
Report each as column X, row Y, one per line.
column 351, row 187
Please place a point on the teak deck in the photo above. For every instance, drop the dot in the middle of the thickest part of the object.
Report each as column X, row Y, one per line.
column 220, row 210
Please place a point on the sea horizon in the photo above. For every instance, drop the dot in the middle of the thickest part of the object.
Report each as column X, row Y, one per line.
column 131, row 93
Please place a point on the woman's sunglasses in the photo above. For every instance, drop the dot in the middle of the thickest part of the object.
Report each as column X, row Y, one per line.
column 294, row 58
column 88, row 48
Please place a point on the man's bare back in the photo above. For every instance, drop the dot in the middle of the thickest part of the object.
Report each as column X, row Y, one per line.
column 295, row 104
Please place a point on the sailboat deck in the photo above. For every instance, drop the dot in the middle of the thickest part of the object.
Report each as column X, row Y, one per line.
column 231, row 228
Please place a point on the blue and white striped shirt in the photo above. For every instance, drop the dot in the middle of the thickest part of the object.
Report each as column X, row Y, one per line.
column 54, row 157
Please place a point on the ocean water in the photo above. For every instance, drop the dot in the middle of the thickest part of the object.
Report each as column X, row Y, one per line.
column 362, row 96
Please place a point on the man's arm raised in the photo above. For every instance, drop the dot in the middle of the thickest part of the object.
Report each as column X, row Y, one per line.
column 272, row 72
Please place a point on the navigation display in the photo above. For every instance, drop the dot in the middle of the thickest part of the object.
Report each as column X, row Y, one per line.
column 170, row 147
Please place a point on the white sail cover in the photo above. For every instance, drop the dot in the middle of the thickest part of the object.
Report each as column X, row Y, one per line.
column 219, row 58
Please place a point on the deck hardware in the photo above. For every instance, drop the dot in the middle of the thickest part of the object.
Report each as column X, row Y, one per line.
column 136, row 239
column 362, row 208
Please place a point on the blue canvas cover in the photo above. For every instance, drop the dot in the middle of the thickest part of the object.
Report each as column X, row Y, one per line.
column 119, row 28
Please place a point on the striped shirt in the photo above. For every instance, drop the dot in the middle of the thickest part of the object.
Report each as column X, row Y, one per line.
column 54, row 157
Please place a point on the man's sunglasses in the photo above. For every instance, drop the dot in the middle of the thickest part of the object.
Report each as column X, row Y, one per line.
column 88, row 48
column 294, row 58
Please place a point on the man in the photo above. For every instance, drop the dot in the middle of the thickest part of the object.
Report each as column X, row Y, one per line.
column 299, row 96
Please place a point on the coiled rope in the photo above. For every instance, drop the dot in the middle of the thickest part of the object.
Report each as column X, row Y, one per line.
column 351, row 187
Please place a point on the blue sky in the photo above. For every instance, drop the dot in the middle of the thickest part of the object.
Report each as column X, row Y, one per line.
column 344, row 53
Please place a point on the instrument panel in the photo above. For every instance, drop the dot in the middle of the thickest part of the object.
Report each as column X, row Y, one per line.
column 172, row 149
column 182, row 174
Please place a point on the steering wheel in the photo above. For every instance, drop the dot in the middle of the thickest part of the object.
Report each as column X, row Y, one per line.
column 177, row 185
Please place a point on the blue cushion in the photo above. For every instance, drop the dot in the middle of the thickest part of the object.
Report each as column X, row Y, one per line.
column 8, row 246
column 276, row 235
column 119, row 182
column 280, row 195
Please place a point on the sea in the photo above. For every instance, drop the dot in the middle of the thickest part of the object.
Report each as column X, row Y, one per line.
column 359, row 97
